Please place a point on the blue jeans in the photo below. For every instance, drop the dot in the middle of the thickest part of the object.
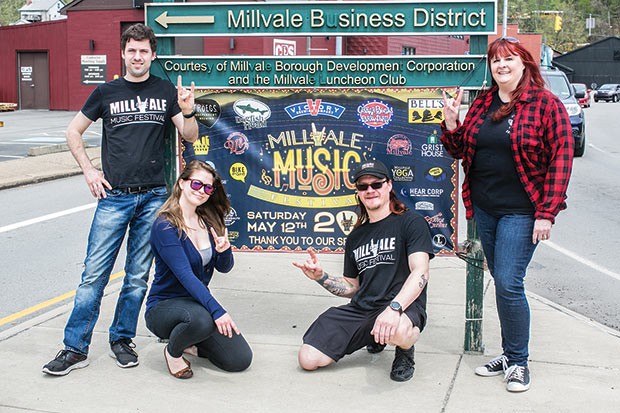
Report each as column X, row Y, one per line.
column 113, row 216
column 507, row 244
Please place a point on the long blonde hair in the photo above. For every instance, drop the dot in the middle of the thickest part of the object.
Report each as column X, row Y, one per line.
column 210, row 213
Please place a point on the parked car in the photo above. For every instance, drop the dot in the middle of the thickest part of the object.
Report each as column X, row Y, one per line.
column 557, row 82
column 583, row 94
column 609, row 92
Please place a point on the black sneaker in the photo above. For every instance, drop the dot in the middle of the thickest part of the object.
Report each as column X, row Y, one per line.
column 403, row 365
column 123, row 351
column 494, row 367
column 517, row 378
column 375, row 348
column 64, row 362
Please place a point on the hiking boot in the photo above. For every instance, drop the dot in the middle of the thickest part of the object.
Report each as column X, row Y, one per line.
column 64, row 362
column 403, row 365
column 517, row 378
column 494, row 367
column 375, row 348
column 123, row 351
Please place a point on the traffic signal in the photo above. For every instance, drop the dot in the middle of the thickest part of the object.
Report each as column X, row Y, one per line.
column 557, row 26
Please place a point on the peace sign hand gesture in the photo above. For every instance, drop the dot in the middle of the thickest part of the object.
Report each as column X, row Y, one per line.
column 221, row 243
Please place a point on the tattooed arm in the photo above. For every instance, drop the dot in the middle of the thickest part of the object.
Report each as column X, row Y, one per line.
column 340, row 286
column 417, row 280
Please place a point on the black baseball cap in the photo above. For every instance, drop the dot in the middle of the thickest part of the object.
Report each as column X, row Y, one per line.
column 372, row 167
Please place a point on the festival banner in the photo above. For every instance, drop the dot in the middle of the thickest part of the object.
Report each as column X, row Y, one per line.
column 287, row 156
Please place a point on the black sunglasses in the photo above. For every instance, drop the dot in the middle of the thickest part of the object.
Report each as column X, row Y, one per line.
column 197, row 185
column 363, row 187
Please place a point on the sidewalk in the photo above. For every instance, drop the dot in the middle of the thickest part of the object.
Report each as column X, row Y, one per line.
column 42, row 168
column 575, row 363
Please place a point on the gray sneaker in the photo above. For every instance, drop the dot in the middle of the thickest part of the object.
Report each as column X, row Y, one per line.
column 517, row 378
column 123, row 351
column 494, row 367
column 64, row 362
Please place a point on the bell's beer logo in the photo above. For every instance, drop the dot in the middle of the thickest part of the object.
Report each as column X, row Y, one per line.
column 425, row 110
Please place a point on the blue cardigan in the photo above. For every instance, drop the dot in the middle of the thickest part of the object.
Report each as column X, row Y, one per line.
column 179, row 271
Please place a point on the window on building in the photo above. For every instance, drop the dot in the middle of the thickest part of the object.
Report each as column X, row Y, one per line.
column 408, row 50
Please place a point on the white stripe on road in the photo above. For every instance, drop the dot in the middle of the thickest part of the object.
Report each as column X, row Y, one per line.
column 11, row 156
column 582, row 260
column 47, row 217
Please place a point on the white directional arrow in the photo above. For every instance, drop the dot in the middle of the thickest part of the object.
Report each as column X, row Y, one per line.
column 165, row 20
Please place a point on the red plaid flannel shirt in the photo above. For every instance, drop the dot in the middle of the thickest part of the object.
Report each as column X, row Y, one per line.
column 541, row 143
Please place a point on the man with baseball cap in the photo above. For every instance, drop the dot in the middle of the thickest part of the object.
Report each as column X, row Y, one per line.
column 386, row 270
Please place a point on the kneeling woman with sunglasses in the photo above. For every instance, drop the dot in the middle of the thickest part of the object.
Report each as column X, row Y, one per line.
column 189, row 241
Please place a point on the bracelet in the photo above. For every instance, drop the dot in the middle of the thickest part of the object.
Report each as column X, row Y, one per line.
column 190, row 115
column 323, row 278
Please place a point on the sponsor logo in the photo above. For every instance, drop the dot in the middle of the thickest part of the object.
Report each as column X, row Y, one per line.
column 375, row 114
column 436, row 221
column 425, row 110
column 231, row 218
column 314, row 107
column 251, row 113
column 433, row 150
column 403, row 173
column 346, row 220
column 435, row 174
column 208, row 111
column 424, row 206
column 399, row 145
column 237, row 143
column 422, row 192
column 439, row 240
column 201, row 146
column 433, row 138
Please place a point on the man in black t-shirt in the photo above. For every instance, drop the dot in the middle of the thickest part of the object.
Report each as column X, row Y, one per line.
column 386, row 270
column 135, row 111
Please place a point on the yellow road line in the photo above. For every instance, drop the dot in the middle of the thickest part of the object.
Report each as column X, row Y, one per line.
column 44, row 304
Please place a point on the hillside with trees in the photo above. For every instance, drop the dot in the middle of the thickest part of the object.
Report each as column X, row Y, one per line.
column 537, row 16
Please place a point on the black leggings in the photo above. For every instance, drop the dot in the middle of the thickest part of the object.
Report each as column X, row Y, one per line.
column 184, row 322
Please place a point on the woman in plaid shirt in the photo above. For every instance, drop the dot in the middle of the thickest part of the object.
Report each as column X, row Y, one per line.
column 516, row 148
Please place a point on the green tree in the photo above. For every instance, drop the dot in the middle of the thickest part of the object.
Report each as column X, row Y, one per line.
column 528, row 14
column 9, row 11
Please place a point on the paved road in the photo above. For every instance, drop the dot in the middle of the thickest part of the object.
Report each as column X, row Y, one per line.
column 26, row 129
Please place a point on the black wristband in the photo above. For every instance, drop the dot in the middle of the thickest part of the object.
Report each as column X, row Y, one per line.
column 190, row 115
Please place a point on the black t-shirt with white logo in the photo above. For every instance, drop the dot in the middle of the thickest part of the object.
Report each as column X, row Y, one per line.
column 134, row 115
column 377, row 253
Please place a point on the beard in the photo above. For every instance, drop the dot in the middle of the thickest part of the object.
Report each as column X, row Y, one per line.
column 138, row 72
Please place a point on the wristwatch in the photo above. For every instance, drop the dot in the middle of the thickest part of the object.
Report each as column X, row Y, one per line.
column 190, row 115
column 395, row 305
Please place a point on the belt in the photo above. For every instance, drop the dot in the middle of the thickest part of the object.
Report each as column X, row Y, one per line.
column 137, row 189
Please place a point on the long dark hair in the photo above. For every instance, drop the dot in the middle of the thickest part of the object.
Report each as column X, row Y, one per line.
column 509, row 46
column 397, row 207
column 211, row 213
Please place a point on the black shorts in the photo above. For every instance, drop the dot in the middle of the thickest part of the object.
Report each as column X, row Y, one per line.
column 342, row 330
